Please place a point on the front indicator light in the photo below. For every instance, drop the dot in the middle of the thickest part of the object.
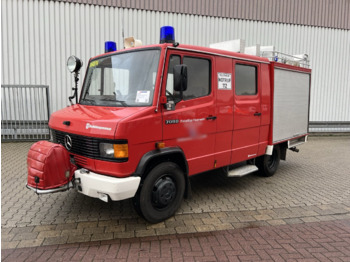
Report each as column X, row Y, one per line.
column 121, row 150
column 160, row 145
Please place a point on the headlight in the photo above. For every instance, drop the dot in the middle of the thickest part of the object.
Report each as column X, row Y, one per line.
column 74, row 64
column 114, row 150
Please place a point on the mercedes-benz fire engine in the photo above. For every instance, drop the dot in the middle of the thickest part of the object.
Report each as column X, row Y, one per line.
column 149, row 117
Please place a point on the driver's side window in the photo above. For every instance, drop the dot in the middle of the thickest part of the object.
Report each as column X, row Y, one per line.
column 198, row 78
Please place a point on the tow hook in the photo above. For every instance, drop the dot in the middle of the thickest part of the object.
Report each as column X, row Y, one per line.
column 294, row 149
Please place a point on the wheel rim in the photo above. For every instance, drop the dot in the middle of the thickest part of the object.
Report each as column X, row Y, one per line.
column 163, row 193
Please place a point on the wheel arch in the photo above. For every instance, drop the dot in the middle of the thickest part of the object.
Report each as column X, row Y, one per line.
column 170, row 154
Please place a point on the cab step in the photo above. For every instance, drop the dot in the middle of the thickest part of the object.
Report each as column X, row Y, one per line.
column 242, row 171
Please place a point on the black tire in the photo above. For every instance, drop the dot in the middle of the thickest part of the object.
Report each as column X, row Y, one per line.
column 268, row 164
column 161, row 193
column 136, row 204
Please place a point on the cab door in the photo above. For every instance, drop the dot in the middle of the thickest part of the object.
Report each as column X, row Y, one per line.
column 192, row 125
column 246, row 111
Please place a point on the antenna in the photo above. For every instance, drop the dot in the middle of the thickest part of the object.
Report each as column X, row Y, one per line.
column 123, row 27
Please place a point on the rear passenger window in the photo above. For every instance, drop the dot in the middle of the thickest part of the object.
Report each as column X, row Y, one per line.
column 198, row 77
column 245, row 80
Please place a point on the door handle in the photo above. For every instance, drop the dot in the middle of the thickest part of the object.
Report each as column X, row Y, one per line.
column 257, row 114
column 211, row 118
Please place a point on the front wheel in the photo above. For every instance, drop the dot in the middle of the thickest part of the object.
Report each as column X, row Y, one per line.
column 161, row 193
column 268, row 164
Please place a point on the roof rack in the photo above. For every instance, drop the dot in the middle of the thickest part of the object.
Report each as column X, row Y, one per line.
column 301, row 60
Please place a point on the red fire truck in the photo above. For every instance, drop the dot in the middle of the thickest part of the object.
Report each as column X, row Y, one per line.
column 150, row 117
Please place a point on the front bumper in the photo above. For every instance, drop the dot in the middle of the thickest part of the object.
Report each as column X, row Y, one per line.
column 101, row 186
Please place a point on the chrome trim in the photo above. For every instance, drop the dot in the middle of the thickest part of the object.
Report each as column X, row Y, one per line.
column 52, row 190
column 68, row 142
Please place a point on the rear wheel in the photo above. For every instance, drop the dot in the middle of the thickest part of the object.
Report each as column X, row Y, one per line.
column 161, row 193
column 268, row 164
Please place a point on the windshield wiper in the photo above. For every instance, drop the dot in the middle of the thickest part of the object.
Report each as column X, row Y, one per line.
column 115, row 100
column 89, row 101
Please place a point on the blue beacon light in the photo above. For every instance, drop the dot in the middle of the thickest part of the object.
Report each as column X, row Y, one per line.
column 167, row 35
column 110, row 46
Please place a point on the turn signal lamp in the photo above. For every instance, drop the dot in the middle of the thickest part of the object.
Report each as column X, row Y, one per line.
column 167, row 35
column 160, row 145
column 110, row 46
column 121, row 150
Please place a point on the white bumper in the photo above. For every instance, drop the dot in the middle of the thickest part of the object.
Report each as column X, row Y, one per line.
column 98, row 186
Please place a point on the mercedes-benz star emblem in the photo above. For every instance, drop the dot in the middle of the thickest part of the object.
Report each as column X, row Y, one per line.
column 68, row 142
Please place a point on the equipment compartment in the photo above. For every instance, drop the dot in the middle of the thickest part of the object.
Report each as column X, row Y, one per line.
column 291, row 96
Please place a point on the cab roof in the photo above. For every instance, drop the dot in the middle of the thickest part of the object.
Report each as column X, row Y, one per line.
column 192, row 48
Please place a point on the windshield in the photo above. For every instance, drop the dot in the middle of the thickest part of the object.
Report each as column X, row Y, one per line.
column 125, row 79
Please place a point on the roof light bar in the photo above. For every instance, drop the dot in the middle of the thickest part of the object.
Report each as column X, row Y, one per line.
column 110, row 46
column 167, row 34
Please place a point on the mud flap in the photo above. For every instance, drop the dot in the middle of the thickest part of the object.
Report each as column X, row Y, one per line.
column 49, row 166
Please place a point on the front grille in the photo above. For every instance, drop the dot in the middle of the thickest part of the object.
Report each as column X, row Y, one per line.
column 84, row 145
column 80, row 160
column 81, row 145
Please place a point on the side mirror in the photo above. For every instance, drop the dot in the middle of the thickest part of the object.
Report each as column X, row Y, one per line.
column 180, row 78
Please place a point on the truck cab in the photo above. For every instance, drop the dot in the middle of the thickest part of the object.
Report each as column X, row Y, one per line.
column 149, row 117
